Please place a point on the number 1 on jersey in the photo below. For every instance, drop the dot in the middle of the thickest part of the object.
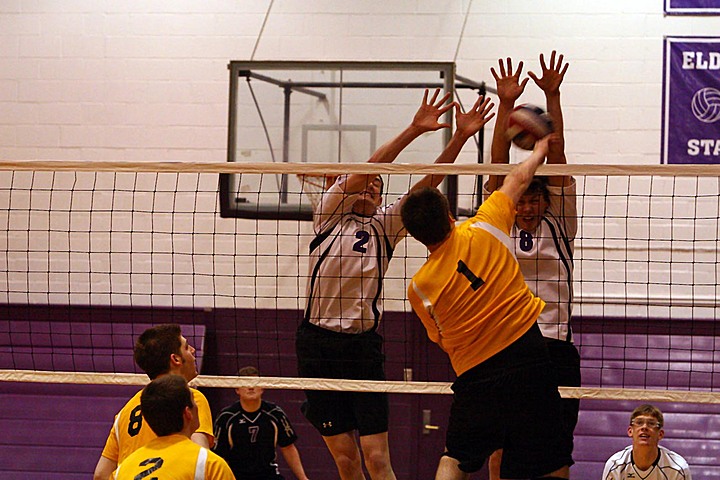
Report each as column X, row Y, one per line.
column 475, row 281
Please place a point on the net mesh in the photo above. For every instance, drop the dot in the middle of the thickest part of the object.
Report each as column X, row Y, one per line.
column 91, row 249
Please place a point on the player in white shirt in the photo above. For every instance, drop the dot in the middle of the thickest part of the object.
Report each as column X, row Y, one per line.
column 338, row 338
column 645, row 459
column 544, row 230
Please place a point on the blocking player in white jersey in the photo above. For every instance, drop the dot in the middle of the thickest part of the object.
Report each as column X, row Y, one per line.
column 645, row 459
column 338, row 338
column 544, row 230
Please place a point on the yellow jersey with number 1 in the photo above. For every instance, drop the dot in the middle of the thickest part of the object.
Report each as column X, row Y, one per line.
column 470, row 294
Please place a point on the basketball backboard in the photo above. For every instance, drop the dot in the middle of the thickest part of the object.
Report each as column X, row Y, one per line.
column 323, row 112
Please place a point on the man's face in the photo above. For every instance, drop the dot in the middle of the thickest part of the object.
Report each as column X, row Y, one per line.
column 645, row 431
column 187, row 355
column 529, row 210
column 249, row 393
column 370, row 198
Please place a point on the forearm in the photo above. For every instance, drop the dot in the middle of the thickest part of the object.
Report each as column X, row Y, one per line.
column 387, row 153
column 556, row 155
column 448, row 155
column 292, row 457
column 500, row 149
column 520, row 177
column 556, row 151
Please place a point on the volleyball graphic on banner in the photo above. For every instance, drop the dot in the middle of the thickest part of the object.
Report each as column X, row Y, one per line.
column 706, row 105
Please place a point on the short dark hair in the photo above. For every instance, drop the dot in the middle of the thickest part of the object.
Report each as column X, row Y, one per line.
column 154, row 347
column 425, row 214
column 163, row 403
column 538, row 186
column 647, row 409
column 248, row 371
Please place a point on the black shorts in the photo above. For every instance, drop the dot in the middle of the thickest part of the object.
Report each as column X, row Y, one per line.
column 325, row 354
column 510, row 401
column 566, row 359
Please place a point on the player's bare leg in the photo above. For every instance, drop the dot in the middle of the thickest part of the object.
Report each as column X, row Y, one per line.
column 376, row 451
column 345, row 452
column 448, row 470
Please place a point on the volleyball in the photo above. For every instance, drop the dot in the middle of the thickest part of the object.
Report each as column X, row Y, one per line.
column 527, row 124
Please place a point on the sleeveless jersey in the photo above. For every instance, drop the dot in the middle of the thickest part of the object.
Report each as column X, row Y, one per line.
column 173, row 457
column 470, row 294
column 247, row 440
column 348, row 260
column 668, row 466
column 129, row 432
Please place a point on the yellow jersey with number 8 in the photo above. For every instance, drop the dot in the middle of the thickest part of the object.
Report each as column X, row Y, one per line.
column 129, row 432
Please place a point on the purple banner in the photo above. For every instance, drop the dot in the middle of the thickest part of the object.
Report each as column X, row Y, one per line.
column 691, row 100
column 692, row 7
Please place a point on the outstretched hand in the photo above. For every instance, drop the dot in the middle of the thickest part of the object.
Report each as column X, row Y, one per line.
column 429, row 113
column 470, row 122
column 509, row 86
column 552, row 74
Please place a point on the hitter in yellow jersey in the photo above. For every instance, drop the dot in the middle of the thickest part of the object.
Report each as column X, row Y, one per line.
column 475, row 304
column 170, row 410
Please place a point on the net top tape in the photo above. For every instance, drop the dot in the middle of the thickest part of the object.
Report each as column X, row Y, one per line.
column 361, row 168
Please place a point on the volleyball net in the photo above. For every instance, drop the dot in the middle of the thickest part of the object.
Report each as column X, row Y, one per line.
column 95, row 251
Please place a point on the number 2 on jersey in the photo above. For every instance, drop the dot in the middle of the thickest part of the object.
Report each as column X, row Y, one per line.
column 154, row 463
column 363, row 238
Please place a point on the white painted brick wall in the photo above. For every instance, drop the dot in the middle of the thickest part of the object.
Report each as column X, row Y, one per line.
column 148, row 81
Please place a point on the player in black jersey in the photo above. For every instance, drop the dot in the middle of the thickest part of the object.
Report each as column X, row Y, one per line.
column 248, row 432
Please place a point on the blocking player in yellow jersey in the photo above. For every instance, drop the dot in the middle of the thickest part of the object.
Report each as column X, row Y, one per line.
column 160, row 350
column 475, row 304
column 169, row 409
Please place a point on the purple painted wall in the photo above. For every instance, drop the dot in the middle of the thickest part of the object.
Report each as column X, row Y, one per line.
column 57, row 431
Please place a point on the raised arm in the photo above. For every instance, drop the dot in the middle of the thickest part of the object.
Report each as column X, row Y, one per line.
column 550, row 81
column 426, row 120
column 509, row 88
column 468, row 124
column 517, row 181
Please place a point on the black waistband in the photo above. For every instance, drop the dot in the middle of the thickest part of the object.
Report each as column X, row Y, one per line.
column 333, row 333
